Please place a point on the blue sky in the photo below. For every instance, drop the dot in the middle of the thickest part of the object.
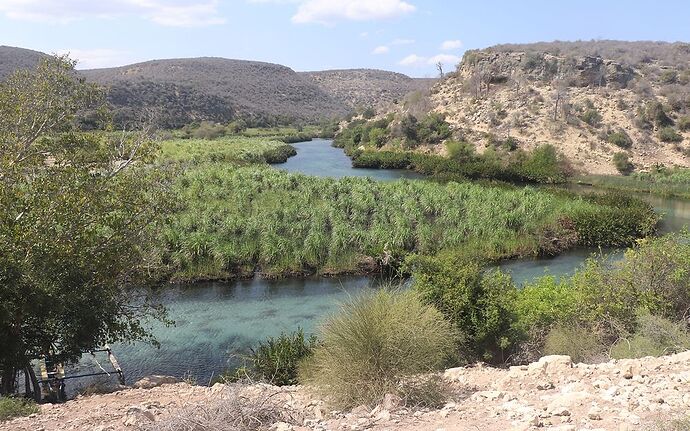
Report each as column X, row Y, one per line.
column 408, row 36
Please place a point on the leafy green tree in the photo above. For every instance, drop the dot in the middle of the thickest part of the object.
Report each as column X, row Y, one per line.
column 78, row 211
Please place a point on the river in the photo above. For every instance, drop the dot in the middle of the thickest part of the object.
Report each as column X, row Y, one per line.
column 216, row 322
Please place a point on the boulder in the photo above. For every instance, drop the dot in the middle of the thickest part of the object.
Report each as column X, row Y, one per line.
column 155, row 381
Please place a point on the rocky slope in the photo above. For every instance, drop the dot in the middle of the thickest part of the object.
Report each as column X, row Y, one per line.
column 551, row 394
column 359, row 88
column 576, row 96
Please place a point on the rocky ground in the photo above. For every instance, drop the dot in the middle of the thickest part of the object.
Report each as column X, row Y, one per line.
column 552, row 394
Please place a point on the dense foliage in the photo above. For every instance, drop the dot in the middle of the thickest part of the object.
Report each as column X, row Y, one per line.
column 362, row 140
column 239, row 220
column 660, row 180
column 378, row 344
column 583, row 315
column 276, row 360
column 79, row 214
column 229, row 149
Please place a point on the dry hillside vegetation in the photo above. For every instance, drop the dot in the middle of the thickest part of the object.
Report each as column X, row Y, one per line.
column 592, row 100
column 362, row 88
column 215, row 89
column 13, row 59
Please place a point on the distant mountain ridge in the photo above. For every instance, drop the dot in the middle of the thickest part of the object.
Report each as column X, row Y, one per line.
column 181, row 91
column 359, row 88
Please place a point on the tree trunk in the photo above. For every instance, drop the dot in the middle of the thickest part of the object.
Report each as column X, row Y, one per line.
column 8, row 385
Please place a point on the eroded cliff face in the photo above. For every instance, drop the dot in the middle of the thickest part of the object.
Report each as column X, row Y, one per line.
column 551, row 394
column 574, row 103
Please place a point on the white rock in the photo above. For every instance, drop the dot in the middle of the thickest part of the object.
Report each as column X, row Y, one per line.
column 151, row 382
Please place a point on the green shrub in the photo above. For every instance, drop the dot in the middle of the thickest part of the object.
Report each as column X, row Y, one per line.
column 275, row 361
column 669, row 134
column 592, row 117
column 376, row 344
column 623, row 219
column 684, row 124
column 660, row 271
column 377, row 137
column 655, row 336
column 622, row 162
column 369, row 113
column 460, row 151
column 656, row 114
column 478, row 303
column 580, row 343
column 14, row 407
column 620, row 139
column 542, row 165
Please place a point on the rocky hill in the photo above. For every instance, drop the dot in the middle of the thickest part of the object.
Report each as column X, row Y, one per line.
column 215, row 89
column 180, row 91
column 359, row 88
column 589, row 99
column 13, row 59
column 551, row 394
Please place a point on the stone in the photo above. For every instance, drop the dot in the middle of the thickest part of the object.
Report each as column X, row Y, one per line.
column 282, row 426
column 559, row 411
column 594, row 414
column 151, row 382
column 544, row 386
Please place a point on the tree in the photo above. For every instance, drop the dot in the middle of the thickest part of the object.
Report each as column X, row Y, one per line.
column 439, row 67
column 78, row 213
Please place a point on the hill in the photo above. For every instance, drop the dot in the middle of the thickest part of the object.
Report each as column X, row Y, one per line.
column 216, row 89
column 591, row 100
column 13, row 59
column 359, row 88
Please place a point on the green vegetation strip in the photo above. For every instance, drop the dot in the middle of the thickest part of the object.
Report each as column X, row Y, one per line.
column 239, row 220
column 663, row 181
column 227, row 149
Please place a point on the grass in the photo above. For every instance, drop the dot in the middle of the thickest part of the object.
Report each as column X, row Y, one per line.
column 16, row 407
column 242, row 220
column 227, row 149
column 664, row 182
column 380, row 343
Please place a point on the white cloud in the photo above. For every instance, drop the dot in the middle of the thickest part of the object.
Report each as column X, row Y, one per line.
column 97, row 58
column 450, row 45
column 447, row 59
column 383, row 49
column 330, row 11
column 413, row 60
column 174, row 13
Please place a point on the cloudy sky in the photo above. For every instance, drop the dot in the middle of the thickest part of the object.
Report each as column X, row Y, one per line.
column 408, row 36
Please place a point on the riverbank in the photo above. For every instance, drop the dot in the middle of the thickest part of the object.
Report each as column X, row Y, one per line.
column 552, row 394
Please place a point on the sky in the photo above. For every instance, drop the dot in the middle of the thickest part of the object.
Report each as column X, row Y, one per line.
column 408, row 36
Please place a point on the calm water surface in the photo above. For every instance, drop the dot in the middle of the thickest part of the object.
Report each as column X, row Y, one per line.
column 217, row 322
column 320, row 159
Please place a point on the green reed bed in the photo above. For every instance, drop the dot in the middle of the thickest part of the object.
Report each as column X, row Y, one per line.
column 242, row 220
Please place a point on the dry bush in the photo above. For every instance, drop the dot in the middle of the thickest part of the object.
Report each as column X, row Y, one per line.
column 377, row 344
column 236, row 411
